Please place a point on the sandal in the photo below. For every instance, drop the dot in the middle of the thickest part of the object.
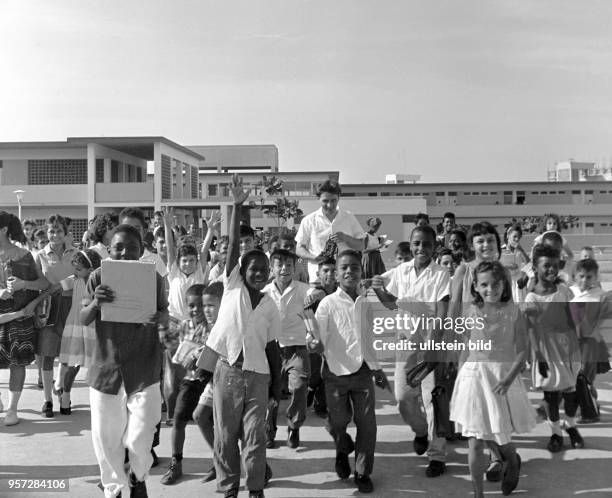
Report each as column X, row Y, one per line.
column 494, row 471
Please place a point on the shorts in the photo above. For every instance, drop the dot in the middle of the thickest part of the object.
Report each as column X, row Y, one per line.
column 187, row 399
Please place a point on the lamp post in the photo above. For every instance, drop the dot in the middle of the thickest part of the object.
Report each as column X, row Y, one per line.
column 19, row 194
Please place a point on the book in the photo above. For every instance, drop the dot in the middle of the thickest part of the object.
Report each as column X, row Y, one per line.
column 134, row 285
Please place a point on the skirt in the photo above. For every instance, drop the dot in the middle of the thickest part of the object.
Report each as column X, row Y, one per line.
column 372, row 264
column 17, row 343
column 50, row 337
column 480, row 413
column 77, row 344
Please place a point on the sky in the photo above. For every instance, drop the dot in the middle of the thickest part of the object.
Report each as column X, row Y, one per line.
column 453, row 91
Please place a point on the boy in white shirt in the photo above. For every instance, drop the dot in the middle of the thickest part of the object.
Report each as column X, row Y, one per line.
column 350, row 363
column 289, row 296
column 419, row 281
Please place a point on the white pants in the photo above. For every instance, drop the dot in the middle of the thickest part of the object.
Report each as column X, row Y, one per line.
column 119, row 421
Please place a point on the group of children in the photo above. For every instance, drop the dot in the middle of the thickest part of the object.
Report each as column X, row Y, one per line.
column 236, row 327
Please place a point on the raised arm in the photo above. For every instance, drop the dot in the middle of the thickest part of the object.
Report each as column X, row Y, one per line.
column 213, row 224
column 239, row 195
column 170, row 246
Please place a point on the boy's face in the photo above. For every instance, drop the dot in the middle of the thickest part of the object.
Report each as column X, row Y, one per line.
column 422, row 247
column 272, row 246
column 125, row 247
column 157, row 221
column 283, row 270
column 421, row 222
column 551, row 224
column 196, row 308
column 547, row 269
column 187, row 264
column 80, row 271
column 247, row 244
column 160, row 246
column 447, row 262
column 348, row 272
column 448, row 224
column 257, row 272
column 223, row 252
column 211, row 307
column 327, row 275
column 402, row 257
column 287, row 245
column 56, row 234
column 135, row 222
column 41, row 242
column 455, row 243
column 586, row 280
column 587, row 254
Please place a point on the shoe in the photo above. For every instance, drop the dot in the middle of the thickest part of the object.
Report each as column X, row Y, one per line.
column 169, row 422
column 256, row 494
column 593, row 420
column 231, row 493
column 174, row 472
column 343, row 467
column 11, row 418
column 47, row 409
column 555, row 443
column 575, row 437
column 138, row 489
column 435, row 468
column 271, row 442
column 494, row 471
column 420, row 444
column 211, row 475
column 511, row 475
column 267, row 475
column 293, row 438
column 66, row 411
column 155, row 458
column 364, row 483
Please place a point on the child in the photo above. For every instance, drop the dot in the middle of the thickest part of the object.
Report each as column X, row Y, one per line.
column 286, row 241
column 203, row 413
column 247, row 239
column 77, row 340
column 402, row 253
column 588, row 308
column 326, row 278
column 446, row 259
column 421, row 219
column 289, row 296
column 55, row 262
column 100, row 233
column 272, row 245
column 124, row 375
column 555, row 350
column 372, row 260
column 448, row 225
column 350, row 362
column 457, row 243
column 587, row 252
column 421, row 280
column 216, row 272
column 245, row 340
column 514, row 258
column 489, row 400
column 40, row 240
column 192, row 335
column 184, row 270
column 552, row 224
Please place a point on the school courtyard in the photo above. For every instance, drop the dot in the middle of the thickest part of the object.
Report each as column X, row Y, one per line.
column 60, row 448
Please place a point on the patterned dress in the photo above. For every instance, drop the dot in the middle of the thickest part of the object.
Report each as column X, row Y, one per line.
column 18, row 337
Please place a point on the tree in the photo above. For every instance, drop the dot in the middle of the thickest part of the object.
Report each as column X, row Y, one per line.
column 280, row 208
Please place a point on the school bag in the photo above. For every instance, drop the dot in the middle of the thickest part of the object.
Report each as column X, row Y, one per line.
column 586, row 400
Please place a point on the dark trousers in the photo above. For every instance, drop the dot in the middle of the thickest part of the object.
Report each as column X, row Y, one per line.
column 352, row 397
column 553, row 398
column 296, row 365
column 316, row 386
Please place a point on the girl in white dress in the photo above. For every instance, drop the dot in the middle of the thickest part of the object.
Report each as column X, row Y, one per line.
column 489, row 401
column 77, row 339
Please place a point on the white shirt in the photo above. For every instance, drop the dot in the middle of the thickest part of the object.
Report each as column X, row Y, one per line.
column 593, row 295
column 429, row 286
column 347, row 344
column 316, row 228
column 216, row 273
column 239, row 327
column 289, row 304
column 179, row 283
column 101, row 250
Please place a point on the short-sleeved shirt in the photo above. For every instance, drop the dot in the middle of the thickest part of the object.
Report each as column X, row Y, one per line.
column 128, row 353
column 179, row 283
column 316, row 228
column 289, row 304
column 345, row 342
column 194, row 332
column 429, row 286
column 54, row 266
column 241, row 329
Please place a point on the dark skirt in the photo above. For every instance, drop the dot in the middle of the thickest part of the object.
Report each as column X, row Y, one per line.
column 372, row 264
column 50, row 337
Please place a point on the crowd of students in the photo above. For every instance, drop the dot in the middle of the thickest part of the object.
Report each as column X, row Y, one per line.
column 237, row 329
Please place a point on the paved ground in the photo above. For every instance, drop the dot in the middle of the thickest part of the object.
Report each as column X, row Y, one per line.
column 61, row 448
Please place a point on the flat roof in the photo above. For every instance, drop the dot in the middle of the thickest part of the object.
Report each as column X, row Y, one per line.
column 136, row 146
column 475, row 184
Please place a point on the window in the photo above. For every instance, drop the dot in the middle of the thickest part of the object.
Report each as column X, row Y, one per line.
column 534, row 193
column 589, row 225
column 57, row 171
column 588, row 192
column 385, row 194
column 440, row 194
column 575, row 192
column 99, row 170
column 603, row 191
column 507, row 192
column 166, row 179
column 213, row 190
column 114, row 171
column 452, row 194
column 372, row 194
column 194, row 182
column 139, row 175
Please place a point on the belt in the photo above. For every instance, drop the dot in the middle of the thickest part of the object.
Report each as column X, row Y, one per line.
column 237, row 365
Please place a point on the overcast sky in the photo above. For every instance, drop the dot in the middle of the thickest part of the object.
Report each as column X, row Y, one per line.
column 472, row 90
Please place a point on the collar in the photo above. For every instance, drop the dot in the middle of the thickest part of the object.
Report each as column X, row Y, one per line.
column 47, row 249
column 428, row 268
column 319, row 212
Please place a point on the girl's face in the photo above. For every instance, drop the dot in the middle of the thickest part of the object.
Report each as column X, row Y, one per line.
column 187, row 264
column 56, row 234
column 211, row 308
column 80, row 271
column 513, row 238
column 488, row 287
column 28, row 230
column 447, row 262
column 373, row 226
column 41, row 243
column 551, row 224
column 485, row 247
column 547, row 269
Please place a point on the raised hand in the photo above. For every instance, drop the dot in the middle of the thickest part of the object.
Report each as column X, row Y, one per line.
column 168, row 215
column 214, row 222
column 238, row 193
